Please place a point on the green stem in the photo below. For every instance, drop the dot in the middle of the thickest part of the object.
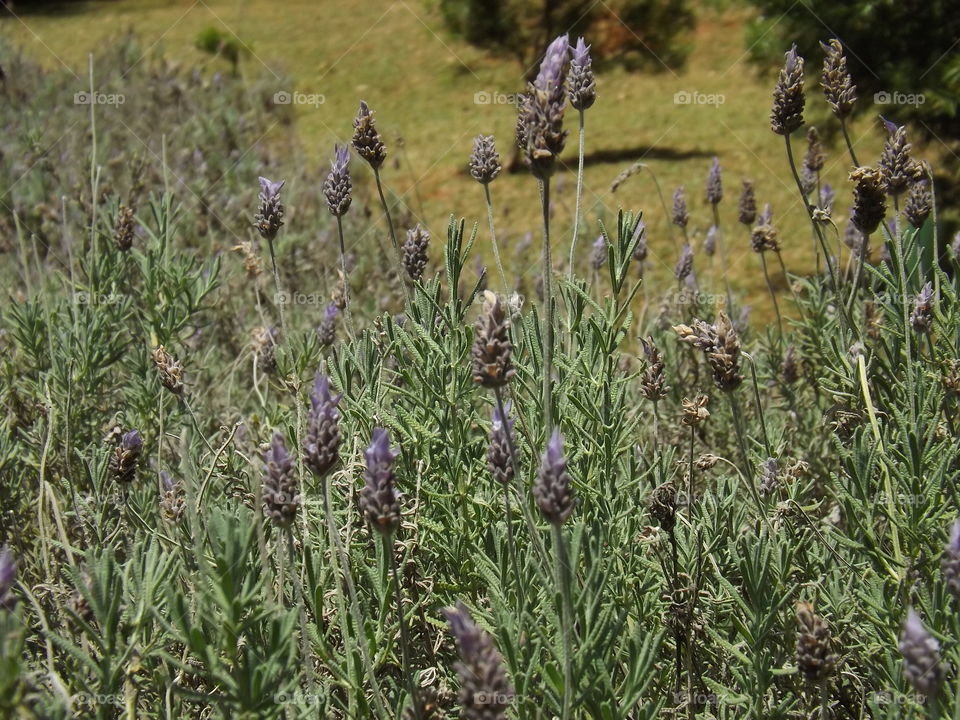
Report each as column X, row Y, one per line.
column 548, row 309
column 773, row 296
column 512, row 545
column 346, row 281
column 337, row 546
column 493, row 237
column 404, row 638
column 846, row 137
column 818, row 231
column 576, row 213
column 566, row 615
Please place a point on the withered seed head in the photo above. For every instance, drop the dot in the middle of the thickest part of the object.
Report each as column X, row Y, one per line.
column 815, row 658
column 169, row 370
column 123, row 235
column 123, row 462
column 653, row 385
column 838, row 88
column 922, row 316
column 663, row 505
column 695, row 411
column 869, row 199
column 721, row 345
column 366, row 137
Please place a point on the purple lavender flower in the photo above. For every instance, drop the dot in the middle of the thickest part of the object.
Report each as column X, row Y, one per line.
column 322, row 441
column 552, row 489
column 281, row 491
column 684, row 265
column 921, row 656
column 598, row 255
column 955, row 246
column 485, row 691
column 641, row 249
column 378, row 499
column 327, row 331
column 710, row 242
column 766, row 217
column 540, row 132
column 826, row 198
column 714, row 193
column 788, row 97
column 337, row 187
column 499, row 460
column 582, row 87
column 680, row 217
column 269, row 217
column 950, row 562
column 8, row 576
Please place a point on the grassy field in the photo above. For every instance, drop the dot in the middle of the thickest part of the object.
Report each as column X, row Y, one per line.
column 423, row 85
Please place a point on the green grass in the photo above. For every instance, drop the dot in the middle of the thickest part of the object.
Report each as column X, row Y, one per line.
column 422, row 82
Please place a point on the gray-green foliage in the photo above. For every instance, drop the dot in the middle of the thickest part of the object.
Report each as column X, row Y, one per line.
column 123, row 612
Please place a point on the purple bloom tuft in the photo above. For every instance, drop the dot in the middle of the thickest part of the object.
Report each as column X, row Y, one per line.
column 322, row 441
column 8, row 576
column 378, row 500
column 552, row 489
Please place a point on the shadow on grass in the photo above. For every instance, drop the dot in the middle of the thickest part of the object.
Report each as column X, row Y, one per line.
column 617, row 155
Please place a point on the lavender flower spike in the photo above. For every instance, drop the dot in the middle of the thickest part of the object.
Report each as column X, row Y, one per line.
column 485, row 691
column 281, row 491
column 322, row 441
column 8, row 576
column 327, row 330
column 551, row 73
column 921, row 656
column 582, row 88
column 378, row 500
column 950, row 562
column 714, row 192
column 269, row 217
column 552, row 489
column 337, row 187
column 540, row 132
column 499, row 461
column 123, row 463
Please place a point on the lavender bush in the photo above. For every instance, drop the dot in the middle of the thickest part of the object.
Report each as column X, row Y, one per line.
column 605, row 504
